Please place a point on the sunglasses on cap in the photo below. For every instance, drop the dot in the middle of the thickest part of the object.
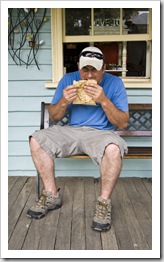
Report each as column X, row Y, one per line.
column 92, row 54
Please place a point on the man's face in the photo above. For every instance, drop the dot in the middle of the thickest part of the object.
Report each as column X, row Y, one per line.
column 89, row 72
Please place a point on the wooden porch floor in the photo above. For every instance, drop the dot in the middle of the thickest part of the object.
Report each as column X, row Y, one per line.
column 69, row 228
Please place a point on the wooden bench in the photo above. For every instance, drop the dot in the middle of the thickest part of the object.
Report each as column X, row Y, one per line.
column 139, row 125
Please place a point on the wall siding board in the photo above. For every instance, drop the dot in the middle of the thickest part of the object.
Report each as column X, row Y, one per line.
column 32, row 72
column 26, row 91
column 20, row 134
column 24, row 118
column 131, row 168
column 95, row 173
column 26, row 104
column 18, row 163
column 29, row 88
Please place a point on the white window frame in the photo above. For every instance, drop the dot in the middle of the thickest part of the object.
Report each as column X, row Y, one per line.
column 59, row 37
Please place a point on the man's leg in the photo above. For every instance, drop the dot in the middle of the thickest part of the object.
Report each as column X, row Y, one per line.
column 110, row 168
column 45, row 166
column 50, row 199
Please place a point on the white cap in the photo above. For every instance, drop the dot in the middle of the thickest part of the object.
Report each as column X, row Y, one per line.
column 91, row 61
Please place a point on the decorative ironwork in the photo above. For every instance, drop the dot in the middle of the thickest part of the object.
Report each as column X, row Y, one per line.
column 62, row 122
column 139, row 120
column 23, row 28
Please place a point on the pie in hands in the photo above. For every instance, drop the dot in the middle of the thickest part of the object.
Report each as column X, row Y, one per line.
column 82, row 96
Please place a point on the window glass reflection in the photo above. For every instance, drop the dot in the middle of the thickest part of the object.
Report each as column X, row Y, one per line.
column 78, row 21
column 106, row 21
column 136, row 20
column 136, row 58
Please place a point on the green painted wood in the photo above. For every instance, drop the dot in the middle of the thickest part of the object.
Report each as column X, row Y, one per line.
column 25, row 163
column 24, row 119
column 29, row 88
column 17, row 104
column 91, row 173
column 139, row 91
column 20, row 134
column 139, row 99
column 32, row 73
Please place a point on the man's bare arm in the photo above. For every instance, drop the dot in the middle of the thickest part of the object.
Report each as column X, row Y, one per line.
column 117, row 117
column 58, row 110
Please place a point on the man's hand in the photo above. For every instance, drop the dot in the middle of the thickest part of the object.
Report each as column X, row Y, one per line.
column 117, row 117
column 95, row 91
column 69, row 94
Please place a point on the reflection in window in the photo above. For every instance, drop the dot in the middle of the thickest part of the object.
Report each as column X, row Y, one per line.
column 106, row 21
column 78, row 21
column 136, row 58
column 136, row 20
column 71, row 55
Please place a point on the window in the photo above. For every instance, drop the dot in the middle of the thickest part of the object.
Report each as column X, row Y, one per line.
column 123, row 34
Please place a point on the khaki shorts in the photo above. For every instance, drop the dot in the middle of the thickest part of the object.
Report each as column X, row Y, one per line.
column 62, row 141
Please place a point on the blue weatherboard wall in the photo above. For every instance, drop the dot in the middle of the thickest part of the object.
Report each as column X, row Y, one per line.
column 26, row 91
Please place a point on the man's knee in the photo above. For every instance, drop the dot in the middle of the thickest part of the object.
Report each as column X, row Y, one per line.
column 112, row 150
column 34, row 145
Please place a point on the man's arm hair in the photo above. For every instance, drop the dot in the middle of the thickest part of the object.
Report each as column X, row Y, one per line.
column 58, row 110
column 117, row 117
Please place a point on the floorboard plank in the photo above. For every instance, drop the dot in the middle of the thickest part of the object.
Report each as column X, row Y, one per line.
column 133, row 225
column 18, row 206
column 34, row 233
column 63, row 239
column 123, row 237
column 109, row 241
column 20, row 231
column 145, row 196
column 140, row 210
column 148, row 184
column 15, row 190
column 78, row 220
column 11, row 182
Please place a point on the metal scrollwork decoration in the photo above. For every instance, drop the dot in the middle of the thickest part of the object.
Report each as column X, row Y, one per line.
column 23, row 34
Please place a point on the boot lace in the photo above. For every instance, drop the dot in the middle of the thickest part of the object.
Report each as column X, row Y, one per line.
column 103, row 210
column 41, row 201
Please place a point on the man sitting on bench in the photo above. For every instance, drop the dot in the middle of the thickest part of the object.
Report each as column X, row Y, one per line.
column 90, row 131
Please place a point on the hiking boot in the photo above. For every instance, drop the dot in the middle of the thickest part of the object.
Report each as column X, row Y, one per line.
column 102, row 219
column 46, row 203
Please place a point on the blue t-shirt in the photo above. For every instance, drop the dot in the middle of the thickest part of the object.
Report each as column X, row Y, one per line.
column 93, row 116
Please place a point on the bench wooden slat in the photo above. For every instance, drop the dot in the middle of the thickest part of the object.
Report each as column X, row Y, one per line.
column 133, row 152
column 135, row 133
column 140, row 106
